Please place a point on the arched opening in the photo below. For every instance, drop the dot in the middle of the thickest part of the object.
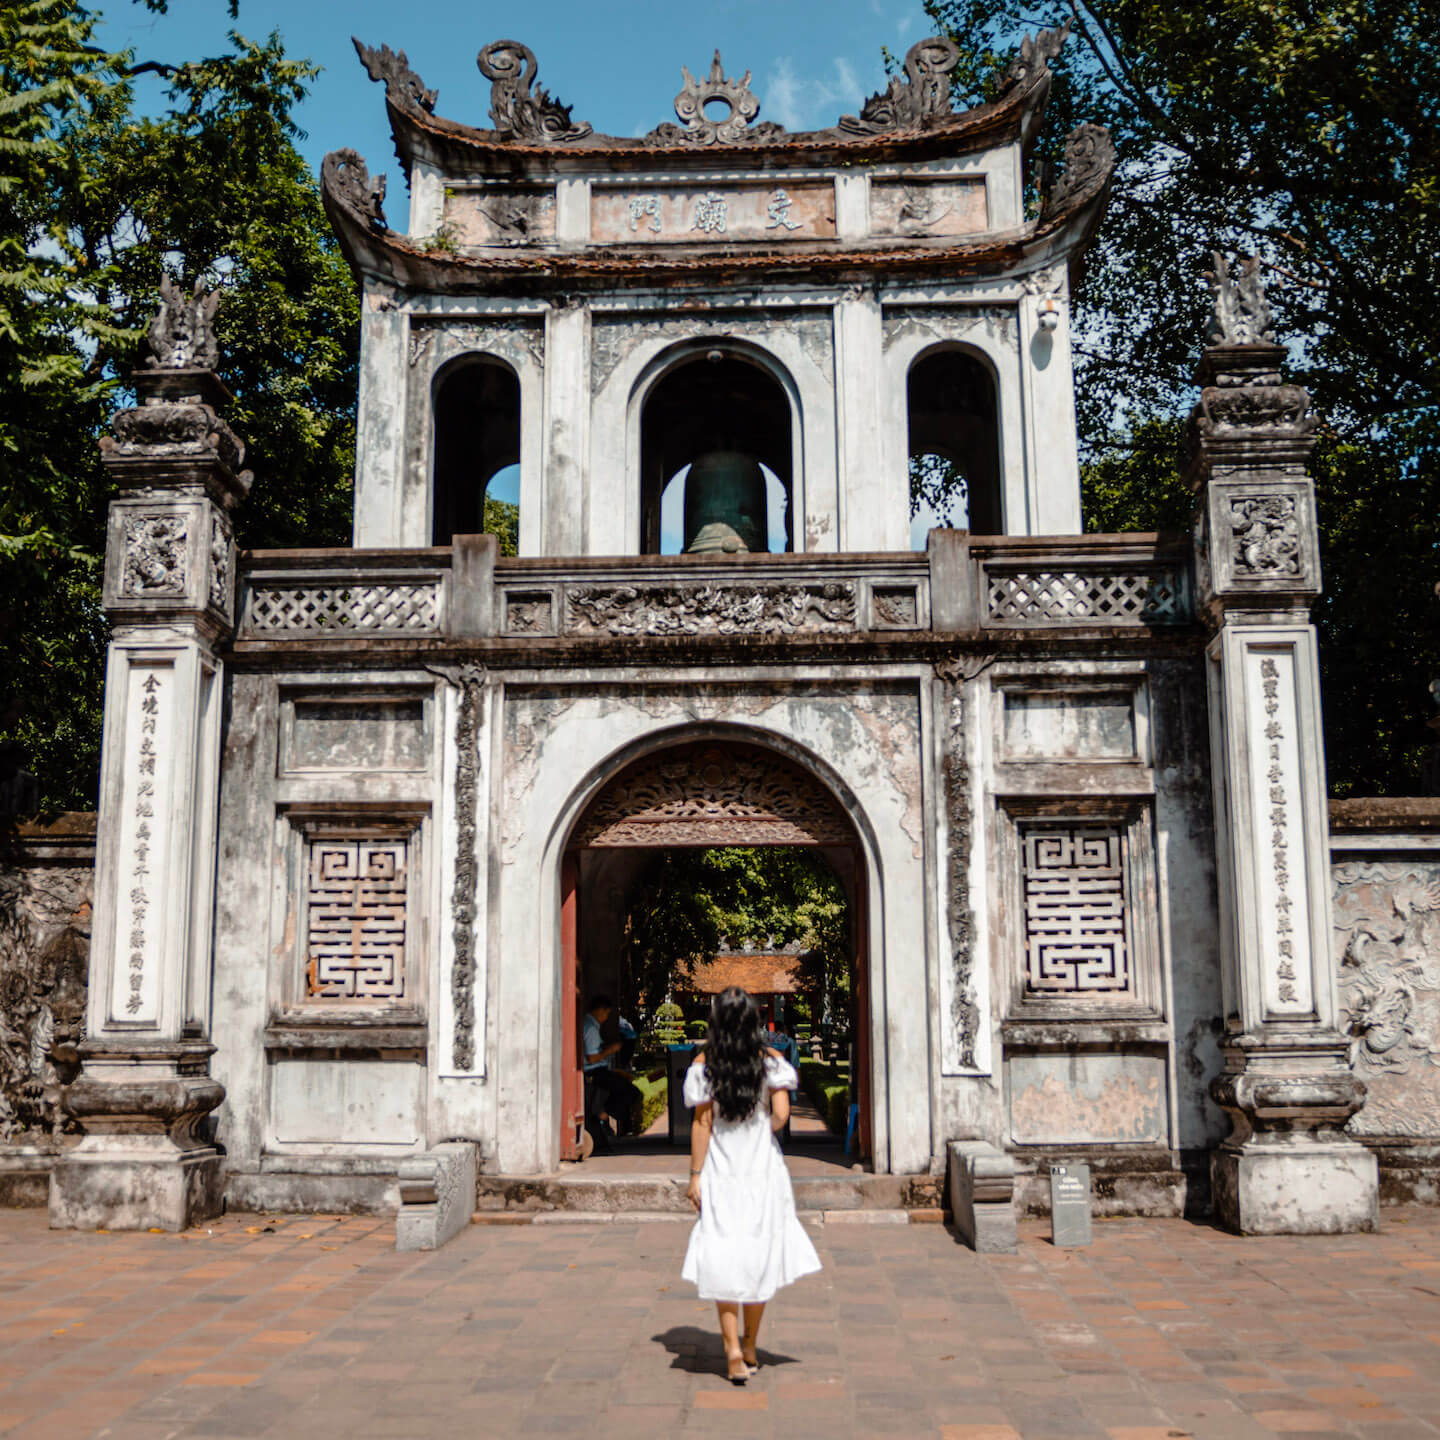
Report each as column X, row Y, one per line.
column 954, row 439
column 741, row 862
column 726, row 411
column 476, row 475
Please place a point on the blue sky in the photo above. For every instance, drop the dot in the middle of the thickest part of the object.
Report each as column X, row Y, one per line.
column 618, row 64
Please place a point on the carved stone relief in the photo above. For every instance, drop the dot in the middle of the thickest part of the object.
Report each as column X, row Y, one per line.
column 44, row 960
column 448, row 338
column 613, row 338
column 155, row 556
column 997, row 321
column 709, row 609
column 220, row 578
column 1267, row 536
column 964, row 1017
column 714, row 794
column 1242, row 314
column 160, row 429
column 1089, row 161
column 1387, row 940
column 471, row 684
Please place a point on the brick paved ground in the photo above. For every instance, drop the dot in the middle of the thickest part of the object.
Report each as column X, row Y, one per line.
column 317, row 1328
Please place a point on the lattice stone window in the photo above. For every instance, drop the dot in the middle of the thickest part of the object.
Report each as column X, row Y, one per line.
column 355, row 918
column 1083, row 908
column 353, row 906
column 1073, row 881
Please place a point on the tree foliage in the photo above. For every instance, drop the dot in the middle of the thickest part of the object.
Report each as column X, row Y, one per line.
column 1308, row 133
column 690, row 903
column 98, row 201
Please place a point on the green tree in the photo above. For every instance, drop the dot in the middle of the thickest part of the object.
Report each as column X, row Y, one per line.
column 1307, row 133
column 96, row 203
column 689, row 903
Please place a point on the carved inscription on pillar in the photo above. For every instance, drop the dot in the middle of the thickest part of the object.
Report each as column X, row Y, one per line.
column 1277, row 833
column 143, row 843
column 355, row 918
column 1073, row 878
column 963, row 1037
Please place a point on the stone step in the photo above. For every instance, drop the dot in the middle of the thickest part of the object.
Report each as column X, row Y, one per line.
column 674, row 1217
column 664, row 1194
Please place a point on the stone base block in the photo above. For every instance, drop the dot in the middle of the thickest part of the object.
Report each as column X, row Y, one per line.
column 306, row 1192
column 982, row 1196
column 1302, row 1187
column 437, row 1196
column 25, row 1175
column 110, row 1190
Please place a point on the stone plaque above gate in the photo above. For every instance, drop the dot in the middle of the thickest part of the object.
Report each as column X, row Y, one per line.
column 713, row 793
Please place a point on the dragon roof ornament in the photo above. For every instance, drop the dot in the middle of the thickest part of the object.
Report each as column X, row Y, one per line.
column 697, row 127
column 1242, row 314
column 922, row 97
column 1089, row 163
column 520, row 109
column 345, row 176
column 403, row 87
column 1036, row 53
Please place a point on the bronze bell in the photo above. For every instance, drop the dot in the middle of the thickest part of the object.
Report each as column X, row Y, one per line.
column 725, row 511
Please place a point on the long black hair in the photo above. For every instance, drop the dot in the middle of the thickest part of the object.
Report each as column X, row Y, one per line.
column 735, row 1054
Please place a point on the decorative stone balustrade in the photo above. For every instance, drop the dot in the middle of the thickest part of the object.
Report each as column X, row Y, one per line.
column 1001, row 584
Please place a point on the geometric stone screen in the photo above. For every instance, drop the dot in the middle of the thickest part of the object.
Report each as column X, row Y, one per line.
column 1073, row 895
column 355, row 918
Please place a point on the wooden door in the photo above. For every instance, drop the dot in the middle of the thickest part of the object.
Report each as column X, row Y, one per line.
column 572, row 1078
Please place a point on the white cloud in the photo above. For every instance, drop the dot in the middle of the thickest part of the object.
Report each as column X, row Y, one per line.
column 810, row 101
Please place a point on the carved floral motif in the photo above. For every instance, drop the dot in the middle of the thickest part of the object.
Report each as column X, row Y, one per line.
column 709, row 609
column 44, row 950
column 403, row 87
column 520, row 109
column 710, row 794
column 155, row 558
column 1267, row 536
column 219, row 564
column 922, row 96
column 1253, row 407
column 1387, row 938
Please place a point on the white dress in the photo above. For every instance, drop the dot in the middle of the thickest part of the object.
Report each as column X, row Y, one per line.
column 748, row 1241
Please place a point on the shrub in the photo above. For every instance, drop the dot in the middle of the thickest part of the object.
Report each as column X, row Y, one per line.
column 669, row 1027
column 654, row 1097
column 698, row 1029
column 828, row 1086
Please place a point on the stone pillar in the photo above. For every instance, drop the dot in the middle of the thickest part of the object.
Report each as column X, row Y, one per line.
column 1287, row 1167
column 169, row 592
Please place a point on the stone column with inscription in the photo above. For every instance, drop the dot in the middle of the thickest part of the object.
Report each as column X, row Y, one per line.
column 1287, row 1167
column 169, row 591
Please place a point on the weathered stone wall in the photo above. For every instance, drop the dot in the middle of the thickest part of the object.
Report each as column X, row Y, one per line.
column 1385, row 863
column 46, row 889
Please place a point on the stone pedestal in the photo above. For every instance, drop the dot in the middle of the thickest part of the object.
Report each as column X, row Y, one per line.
column 1287, row 1167
column 982, row 1196
column 169, row 592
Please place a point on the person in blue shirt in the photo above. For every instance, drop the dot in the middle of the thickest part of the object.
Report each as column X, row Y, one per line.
column 613, row 1096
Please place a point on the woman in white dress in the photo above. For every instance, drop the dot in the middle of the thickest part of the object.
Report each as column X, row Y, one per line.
column 748, row 1241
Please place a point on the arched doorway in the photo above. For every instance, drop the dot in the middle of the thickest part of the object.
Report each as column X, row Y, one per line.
column 709, row 794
